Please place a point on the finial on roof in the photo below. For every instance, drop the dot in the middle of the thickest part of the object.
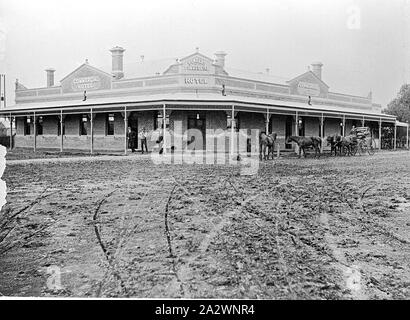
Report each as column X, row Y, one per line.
column 197, row 49
column 142, row 58
column 86, row 61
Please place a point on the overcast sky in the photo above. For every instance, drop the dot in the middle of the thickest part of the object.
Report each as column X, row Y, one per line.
column 363, row 44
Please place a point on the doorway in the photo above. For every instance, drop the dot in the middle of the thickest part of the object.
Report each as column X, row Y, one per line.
column 288, row 130
column 301, row 127
column 196, row 132
column 133, row 124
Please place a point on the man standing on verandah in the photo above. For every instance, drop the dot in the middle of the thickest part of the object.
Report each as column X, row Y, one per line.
column 143, row 137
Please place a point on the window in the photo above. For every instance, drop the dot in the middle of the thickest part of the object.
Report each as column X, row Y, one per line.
column 229, row 122
column 110, row 124
column 83, row 125
column 27, row 123
column 39, row 128
column 158, row 123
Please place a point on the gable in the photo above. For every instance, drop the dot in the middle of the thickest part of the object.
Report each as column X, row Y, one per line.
column 86, row 78
column 308, row 84
column 197, row 63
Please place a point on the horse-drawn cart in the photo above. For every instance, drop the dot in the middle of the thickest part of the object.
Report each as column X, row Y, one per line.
column 364, row 142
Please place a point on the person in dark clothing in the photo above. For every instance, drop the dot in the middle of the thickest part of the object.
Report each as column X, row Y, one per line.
column 143, row 137
column 132, row 135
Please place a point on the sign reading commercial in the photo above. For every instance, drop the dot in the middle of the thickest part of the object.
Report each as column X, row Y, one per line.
column 308, row 88
column 86, row 83
column 196, row 64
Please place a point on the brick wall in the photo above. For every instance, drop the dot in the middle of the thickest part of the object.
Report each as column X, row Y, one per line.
column 50, row 125
column 215, row 120
column 20, row 126
column 278, row 125
column 72, row 124
column 312, row 126
column 251, row 120
column 332, row 126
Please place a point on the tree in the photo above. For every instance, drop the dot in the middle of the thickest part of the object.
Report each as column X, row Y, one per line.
column 400, row 106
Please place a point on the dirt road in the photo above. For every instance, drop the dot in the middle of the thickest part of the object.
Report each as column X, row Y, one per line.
column 334, row 228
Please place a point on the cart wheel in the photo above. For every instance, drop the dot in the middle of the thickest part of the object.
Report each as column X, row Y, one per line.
column 371, row 149
column 345, row 150
column 354, row 149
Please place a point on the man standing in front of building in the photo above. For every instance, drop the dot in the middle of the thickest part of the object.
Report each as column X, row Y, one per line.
column 143, row 137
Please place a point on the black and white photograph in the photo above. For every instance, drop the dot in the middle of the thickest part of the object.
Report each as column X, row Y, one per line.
column 216, row 151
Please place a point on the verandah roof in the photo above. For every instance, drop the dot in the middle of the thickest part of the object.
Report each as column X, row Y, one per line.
column 181, row 100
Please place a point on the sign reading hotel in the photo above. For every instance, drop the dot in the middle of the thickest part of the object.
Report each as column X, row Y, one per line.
column 308, row 89
column 86, row 83
column 195, row 81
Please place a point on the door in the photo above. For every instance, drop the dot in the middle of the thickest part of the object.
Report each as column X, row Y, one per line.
column 133, row 124
column 301, row 126
column 288, row 130
column 196, row 132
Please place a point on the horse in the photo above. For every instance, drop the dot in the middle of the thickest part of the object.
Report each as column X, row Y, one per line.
column 306, row 142
column 266, row 141
column 348, row 143
column 335, row 142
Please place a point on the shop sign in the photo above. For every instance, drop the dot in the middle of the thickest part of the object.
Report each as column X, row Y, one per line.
column 196, row 64
column 196, row 81
column 86, row 83
column 308, row 88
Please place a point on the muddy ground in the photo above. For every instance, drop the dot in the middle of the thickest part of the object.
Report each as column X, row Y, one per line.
column 333, row 228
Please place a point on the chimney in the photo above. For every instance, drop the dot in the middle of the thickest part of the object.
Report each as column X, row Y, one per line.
column 50, row 77
column 220, row 58
column 317, row 69
column 117, row 62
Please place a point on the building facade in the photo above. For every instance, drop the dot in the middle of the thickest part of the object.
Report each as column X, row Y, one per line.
column 196, row 101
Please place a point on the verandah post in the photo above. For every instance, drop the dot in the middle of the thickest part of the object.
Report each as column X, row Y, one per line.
column 35, row 131
column 322, row 119
column 297, row 124
column 11, row 132
column 380, row 133
column 407, row 140
column 395, row 136
column 267, row 121
column 61, row 131
column 125, row 130
column 232, row 129
column 344, row 125
column 164, row 126
column 92, row 130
